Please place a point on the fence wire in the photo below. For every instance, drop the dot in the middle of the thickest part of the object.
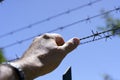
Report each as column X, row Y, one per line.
column 95, row 37
column 101, row 35
column 64, row 27
column 50, row 18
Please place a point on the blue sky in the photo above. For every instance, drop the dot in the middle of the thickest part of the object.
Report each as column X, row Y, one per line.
column 89, row 62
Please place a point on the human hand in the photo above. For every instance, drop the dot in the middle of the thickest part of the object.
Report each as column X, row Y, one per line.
column 45, row 54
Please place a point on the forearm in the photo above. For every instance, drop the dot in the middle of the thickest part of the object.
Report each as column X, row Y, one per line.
column 29, row 69
column 7, row 73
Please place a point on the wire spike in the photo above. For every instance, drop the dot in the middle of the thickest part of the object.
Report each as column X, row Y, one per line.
column 17, row 57
column 117, row 9
column 90, row 3
column 88, row 19
column 98, row 34
column 94, row 35
column 61, row 28
column 67, row 12
column 106, row 37
column 92, row 32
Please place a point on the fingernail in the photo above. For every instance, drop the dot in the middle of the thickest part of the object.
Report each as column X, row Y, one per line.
column 76, row 41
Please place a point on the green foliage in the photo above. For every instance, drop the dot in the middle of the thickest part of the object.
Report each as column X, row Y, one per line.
column 111, row 23
column 2, row 58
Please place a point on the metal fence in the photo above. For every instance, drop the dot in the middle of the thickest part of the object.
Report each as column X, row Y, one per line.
column 68, row 74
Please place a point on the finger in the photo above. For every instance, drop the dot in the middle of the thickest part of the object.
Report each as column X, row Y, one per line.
column 70, row 45
column 56, row 37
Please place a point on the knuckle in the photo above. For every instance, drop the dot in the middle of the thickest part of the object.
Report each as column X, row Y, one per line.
column 46, row 36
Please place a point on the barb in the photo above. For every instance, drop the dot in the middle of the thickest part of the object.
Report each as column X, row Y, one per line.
column 100, row 35
column 96, row 39
column 50, row 18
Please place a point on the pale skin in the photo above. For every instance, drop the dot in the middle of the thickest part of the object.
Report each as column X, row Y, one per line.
column 43, row 56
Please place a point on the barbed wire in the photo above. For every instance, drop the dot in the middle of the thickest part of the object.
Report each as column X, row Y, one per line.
column 50, row 18
column 63, row 27
column 100, row 35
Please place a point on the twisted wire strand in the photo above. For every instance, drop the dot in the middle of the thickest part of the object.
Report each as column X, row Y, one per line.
column 50, row 18
column 84, row 38
column 100, row 37
column 89, row 41
column 64, row 27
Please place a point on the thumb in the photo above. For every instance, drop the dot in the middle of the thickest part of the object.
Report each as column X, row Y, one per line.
column 70, row 45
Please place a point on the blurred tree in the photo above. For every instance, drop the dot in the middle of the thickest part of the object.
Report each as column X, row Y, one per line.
column 107, row 77
column 2, row 58
column 111, row 23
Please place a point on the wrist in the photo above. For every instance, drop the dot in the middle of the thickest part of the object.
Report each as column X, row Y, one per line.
column 28, row 67
column 20, row 66
column 7, row 72
column 16, row 69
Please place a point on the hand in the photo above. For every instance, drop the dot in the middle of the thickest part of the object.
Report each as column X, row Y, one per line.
column 45, row 54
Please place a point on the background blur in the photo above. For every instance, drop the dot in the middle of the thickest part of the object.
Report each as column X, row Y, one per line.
column 22, row 20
